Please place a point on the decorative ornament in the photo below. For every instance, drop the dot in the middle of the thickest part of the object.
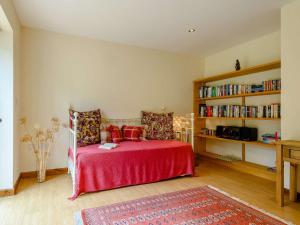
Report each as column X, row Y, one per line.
column 237, row 65
column 41, row 142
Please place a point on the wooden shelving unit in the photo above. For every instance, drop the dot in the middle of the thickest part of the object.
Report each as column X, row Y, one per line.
column 273, row 145
column 200, row 122
column 242, row 166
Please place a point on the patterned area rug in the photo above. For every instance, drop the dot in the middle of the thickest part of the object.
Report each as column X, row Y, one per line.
column 203, row 205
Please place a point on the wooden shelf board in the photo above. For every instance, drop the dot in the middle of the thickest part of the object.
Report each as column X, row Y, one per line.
column 238, row 118
column 243, row 72
column 290, row 143
column 237, row 141
column 242, row 166
column 241, row 95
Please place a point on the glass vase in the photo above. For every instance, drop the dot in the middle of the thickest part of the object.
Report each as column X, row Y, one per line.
column 41, row 169
column 41, row 175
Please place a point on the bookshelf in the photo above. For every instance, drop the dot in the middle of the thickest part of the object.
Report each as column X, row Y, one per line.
column 200, row 122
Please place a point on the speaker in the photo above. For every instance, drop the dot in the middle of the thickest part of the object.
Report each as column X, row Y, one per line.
column 219, row 131
column 237, row 133
column 232, row 132
column 248, row 134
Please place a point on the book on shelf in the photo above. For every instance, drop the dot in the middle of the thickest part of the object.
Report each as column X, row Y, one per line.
column 238, row 89
column 237, row 111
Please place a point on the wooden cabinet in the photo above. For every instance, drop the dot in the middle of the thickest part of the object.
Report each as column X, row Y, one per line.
column 288, row 151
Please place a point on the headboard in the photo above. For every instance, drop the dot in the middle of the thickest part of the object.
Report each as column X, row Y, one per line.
column 183, row 125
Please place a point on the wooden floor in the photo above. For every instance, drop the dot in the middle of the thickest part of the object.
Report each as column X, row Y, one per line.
column 47, row 203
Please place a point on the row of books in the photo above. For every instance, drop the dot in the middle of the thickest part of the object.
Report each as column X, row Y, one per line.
column 272, row 85
column 236, row 89
column 263, row 111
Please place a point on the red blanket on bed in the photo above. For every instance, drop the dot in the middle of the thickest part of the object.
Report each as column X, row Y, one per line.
column 131, row 163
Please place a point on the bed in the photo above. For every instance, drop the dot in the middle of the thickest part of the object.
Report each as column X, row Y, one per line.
column 93, row 169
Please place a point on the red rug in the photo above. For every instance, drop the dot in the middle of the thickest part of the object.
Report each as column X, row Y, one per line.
column 203, row 205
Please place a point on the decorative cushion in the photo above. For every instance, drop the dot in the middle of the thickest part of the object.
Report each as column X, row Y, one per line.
column 115, row 133
column 132, row 133
column 88, row 128
column 159, row 126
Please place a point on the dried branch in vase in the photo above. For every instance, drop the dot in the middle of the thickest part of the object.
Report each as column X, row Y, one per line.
column 41, row 142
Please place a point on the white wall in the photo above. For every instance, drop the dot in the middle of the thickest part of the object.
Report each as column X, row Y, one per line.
column 59, row 70
column 290, row 47
column 13, row 20
column 262, row 50
column 6, row 109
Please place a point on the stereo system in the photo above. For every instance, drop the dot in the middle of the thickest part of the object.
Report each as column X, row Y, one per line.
column 237, row 133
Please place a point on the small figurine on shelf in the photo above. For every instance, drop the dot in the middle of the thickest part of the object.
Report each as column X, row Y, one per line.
column 237, row 65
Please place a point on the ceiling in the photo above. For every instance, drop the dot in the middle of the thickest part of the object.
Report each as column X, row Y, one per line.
column 158, row 24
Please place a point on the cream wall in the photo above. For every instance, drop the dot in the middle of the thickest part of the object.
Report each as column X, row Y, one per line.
column 12, row 17
column 290, row 47
column 59, row 70
column 258, row 51
column 261, row 50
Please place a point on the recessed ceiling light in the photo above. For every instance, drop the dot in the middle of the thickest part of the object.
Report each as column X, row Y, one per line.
column 192, row 30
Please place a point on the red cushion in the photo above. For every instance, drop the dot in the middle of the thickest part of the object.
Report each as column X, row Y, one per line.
column 115, row 133
column 132, row 133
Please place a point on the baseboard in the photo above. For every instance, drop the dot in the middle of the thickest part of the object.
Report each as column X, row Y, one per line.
column 287, row 191
column 16, row 185
column 30, row 174
column 50, row 172
column 13, row 191
column 6, row 192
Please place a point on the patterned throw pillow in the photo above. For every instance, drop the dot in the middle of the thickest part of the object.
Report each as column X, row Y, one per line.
column 159, row 125
column 115, row 133
column 132, row 133
column 88, row 127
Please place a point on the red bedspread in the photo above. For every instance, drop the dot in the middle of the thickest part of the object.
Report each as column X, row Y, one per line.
column 131, row 163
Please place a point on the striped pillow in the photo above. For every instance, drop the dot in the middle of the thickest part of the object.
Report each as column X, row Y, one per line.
column 132, row 133
column 115, row 134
